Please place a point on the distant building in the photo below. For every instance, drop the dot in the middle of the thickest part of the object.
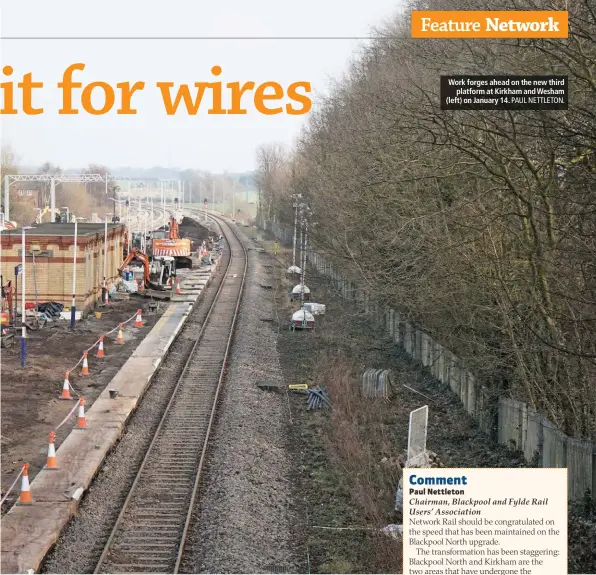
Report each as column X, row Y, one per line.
column 53, row 245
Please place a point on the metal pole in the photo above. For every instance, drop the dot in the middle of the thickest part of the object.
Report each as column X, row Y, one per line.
column 301, row 246
column 295, row 232
column 104, row 291
column 152, row 224
column 53, row 200
column 234, row 200
column 213, row 189
column 35, row 281
column 128, row 222
column 73, row 309
column 163, row 204
column 6, row 198
column 23, row 326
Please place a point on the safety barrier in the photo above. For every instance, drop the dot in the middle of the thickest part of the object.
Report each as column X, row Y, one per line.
column 376, row 383
column 81, row 419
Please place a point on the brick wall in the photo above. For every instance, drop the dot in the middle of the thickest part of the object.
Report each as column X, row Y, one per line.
column 54, row 266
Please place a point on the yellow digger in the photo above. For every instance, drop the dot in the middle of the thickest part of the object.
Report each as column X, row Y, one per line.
column 43, row 212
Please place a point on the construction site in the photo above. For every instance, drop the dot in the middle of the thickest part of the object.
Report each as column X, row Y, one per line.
column 349, row 329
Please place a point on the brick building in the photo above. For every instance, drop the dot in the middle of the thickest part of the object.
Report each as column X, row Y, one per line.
column 53, row 246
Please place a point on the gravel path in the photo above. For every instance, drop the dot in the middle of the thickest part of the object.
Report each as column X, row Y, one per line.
column 82, row 542
column 244, row 521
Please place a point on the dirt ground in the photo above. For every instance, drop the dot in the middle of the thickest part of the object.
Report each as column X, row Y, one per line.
column 337, row 498
column 29, row 396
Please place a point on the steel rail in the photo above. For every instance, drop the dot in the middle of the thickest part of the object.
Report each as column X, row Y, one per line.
column 135, row 491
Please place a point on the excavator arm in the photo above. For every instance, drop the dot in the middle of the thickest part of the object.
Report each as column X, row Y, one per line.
column 174, row 231
column 137, row 254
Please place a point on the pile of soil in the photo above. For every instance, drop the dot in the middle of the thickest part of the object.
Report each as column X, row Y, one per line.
column 190, row 228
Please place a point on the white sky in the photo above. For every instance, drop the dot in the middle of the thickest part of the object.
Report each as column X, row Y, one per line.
column 151, row 137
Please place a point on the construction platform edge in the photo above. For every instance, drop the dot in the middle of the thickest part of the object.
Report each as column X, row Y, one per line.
column 28, row 533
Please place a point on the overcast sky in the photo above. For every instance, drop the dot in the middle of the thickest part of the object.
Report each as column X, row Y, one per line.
column 151, row 137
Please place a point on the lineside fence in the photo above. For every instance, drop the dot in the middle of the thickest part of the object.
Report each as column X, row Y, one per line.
column 510, row 422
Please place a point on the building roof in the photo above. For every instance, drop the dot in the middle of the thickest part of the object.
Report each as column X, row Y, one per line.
column 55, row 229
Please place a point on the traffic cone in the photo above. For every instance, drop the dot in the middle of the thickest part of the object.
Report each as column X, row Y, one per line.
column 100, row 352
column 25, row 496
column 142, row 287
column 81, row 420
column 120, row 336
column 178, row 290
column 65, row 388
column 85, row 370
column 51, row 462
column 139, row 320
column 106, row 301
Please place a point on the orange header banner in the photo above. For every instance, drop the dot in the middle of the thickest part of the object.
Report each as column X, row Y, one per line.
column 472, row 24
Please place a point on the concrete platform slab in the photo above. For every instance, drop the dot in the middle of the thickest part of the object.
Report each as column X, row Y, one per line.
column 183, row 297
column 133, row 377
column 28, row 533
column 110, row 411
column 78, row 459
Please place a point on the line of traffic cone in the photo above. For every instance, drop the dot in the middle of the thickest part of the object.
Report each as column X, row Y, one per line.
column 25, row 495
column 65, row 388
column 139, row 320
column 100, row 351
column 85, row 370
column 51, row 461
column 120, row 338
column 81, row 419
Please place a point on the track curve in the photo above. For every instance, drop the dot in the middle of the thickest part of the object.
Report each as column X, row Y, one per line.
column 150, row 533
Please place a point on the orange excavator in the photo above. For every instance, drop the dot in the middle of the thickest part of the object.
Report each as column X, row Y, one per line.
column 157, row 275
column 170, row 244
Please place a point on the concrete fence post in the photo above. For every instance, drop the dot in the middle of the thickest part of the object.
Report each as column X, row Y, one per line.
column 471, row 395
column 437, row 364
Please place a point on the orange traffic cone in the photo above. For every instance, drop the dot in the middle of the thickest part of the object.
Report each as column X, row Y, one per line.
column 51, row 462
column 178, row 290
column 25, row 496
column 85, row 364
column 139, row 320
column 142, row 287
column 65, row 388
column 100, row 352
column 120, row 336
column 81, row 420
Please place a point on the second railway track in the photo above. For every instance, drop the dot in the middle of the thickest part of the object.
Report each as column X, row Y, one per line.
column 150, row 532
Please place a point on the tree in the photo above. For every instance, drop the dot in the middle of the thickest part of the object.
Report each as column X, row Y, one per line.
column 477, row 225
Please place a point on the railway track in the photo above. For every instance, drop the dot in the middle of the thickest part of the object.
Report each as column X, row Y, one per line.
column 150, row 532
